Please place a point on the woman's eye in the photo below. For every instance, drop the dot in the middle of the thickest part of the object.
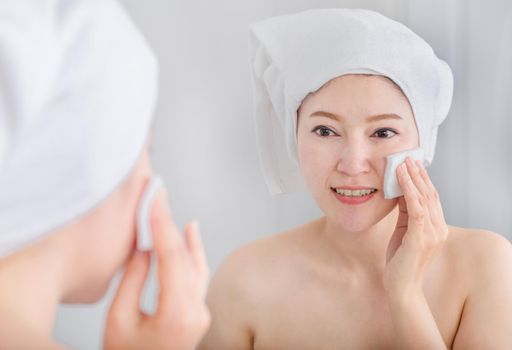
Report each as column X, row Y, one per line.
column 385, row 133
column 323, row 131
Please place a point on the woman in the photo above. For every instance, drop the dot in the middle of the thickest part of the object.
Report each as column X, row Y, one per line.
column 78, row 89
column 337, row 91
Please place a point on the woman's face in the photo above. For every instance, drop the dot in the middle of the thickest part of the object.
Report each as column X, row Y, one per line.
column 107, row 235
column 345, row 131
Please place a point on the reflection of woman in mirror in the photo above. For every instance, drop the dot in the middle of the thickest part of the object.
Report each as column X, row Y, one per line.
column 78, row 85
column 354, row 87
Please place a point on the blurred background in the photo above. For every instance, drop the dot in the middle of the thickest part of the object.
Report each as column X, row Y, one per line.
column 205, row 147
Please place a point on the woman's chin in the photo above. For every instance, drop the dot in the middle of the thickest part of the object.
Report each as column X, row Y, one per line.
column 89, row 295
column 352, row 225
column 358, row 221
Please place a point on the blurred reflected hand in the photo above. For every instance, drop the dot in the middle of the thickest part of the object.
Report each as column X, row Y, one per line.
column 181, row 318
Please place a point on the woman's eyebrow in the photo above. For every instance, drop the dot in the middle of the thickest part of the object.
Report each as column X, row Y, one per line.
column 378, row 117
column 372, row 118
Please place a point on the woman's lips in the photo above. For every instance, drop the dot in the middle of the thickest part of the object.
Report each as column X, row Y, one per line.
column 352, row 200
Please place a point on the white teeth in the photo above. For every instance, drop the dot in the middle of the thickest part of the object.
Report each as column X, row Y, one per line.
column 354, row 193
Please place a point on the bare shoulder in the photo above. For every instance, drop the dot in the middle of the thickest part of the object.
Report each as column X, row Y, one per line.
column 477, row 242
column 480, row 251
column 485, row 259
column 254, row 271
column 249, row 265
column 245, row 278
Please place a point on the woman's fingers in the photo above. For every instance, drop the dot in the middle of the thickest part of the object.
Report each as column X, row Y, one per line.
column 433, row 194
column 424, row 196
column 182, row 267
column 401, row 229
column 414, row 173
column 195, row 246
column 182, row 316
column 426, row 179
column 435, row 228
column 125, row 306
column 196, row 250
column 429, row 196
column 434, row 204
column 170, row 255
column 415, row 211
column 421, row 239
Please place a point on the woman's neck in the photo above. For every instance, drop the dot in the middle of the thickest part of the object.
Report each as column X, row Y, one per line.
column 360, row 251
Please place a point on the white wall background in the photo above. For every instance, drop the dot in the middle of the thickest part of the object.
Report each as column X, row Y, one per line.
column 204, row 142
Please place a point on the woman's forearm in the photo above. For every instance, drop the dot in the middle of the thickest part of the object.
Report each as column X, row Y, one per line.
column 413, row 323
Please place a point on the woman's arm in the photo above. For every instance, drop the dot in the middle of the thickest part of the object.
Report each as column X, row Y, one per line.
column 227, row 300
column 486, row 321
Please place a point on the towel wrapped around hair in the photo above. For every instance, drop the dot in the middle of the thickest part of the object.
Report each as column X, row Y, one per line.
column 295, row 54
column 78, row 86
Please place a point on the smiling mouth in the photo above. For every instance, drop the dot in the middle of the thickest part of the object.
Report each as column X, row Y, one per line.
column 354, row 193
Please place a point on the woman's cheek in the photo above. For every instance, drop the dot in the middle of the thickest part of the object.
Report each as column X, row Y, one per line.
column 317, row 162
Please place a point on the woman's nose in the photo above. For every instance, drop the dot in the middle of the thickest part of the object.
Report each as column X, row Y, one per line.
column 353, row 160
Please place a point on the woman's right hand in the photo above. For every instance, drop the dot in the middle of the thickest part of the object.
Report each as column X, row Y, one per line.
column 181, row 318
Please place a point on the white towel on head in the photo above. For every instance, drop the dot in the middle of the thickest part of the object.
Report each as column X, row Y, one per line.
column 78, row 86
column 293, row 55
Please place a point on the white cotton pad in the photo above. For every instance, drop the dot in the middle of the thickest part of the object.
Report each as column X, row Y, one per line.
column 144, row 233
column 391, row 186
